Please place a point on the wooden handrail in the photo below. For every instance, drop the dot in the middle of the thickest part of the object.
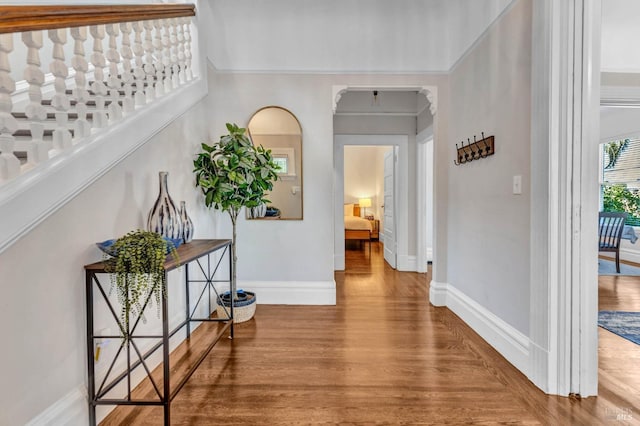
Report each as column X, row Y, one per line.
column 14, row 19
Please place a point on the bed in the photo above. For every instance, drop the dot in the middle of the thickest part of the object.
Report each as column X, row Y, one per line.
column 355, row 227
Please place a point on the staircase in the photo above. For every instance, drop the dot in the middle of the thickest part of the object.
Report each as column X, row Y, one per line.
column 93, row 103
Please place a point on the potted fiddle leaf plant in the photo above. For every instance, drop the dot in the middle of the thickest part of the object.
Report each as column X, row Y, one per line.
column 233, row 173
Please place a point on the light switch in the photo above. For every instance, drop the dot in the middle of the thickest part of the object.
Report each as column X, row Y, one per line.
column 517, row 185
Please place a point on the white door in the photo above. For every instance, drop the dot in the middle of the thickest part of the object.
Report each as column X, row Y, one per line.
column 389, row 223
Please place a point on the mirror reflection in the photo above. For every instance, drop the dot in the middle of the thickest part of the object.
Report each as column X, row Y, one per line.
column 277, row 129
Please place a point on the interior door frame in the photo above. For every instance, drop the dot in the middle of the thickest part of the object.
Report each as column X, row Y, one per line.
column 402, row 197
column 424, row 194
column 565, row 121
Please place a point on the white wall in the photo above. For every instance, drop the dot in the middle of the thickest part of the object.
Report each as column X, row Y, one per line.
column 488, row 237
column 620, row 32
column 42, row 306
column 305, row 248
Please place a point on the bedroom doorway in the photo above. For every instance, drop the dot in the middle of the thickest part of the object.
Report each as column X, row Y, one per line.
column 364, row 149
column 369, row 199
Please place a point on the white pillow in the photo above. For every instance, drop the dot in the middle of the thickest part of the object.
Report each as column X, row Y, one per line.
column 348, row 209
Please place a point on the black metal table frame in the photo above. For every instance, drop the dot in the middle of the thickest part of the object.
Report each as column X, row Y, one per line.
column 165, row 397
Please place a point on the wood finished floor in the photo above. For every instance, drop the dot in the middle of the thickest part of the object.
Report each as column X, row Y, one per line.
column 383, row 355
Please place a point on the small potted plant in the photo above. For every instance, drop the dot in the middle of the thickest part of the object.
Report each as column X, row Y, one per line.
column 233, row 173
column 136, row 269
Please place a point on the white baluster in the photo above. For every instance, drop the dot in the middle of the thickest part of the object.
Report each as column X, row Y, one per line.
column 149, row 65
column 35, row 112
column 113, row 56
column 9, row 163
column 97, row 86
column 81, row 126
column 138, row 73
column 181, row 57
column 158, row 63
column 60, row 101
column 166, row 55
column 187, row 48
column 127, row 76
column 173, row 39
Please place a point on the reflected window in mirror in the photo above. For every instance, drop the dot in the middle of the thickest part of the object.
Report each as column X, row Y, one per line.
column 277, row 129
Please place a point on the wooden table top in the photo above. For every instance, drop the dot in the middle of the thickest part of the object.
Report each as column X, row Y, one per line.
column 186, row 253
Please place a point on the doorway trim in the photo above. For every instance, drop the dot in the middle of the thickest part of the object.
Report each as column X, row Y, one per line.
column 424, row 194
column 565, row 127
column 402, row 197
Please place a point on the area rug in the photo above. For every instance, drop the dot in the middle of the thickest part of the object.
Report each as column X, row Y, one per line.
column 624, row 324
column 607, row 267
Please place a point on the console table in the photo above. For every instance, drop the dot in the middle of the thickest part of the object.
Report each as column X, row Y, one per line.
column 197, row 253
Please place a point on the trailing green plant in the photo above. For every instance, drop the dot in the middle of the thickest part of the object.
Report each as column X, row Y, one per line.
column 233, row 173
column 137, row 273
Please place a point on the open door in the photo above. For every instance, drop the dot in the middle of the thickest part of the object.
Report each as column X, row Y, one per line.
column 389, row 224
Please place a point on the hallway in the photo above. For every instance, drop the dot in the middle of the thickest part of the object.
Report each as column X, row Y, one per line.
column 383, row 355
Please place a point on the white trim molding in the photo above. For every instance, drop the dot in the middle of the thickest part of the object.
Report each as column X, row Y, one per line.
column 438, row 293
column 431, row 92
column 509, row 342
column 292, row 292
column 564, row 161
column 407, row 263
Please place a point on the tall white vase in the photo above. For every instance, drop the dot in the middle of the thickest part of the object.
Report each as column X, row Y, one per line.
column 164, row 217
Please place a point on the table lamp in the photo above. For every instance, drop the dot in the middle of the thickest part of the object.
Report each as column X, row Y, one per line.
column 364, row 202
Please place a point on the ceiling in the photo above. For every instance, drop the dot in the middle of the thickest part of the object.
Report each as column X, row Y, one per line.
column 344, row 36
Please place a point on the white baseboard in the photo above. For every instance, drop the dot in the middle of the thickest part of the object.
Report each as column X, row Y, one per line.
column 70, row 410
column 407, row 263
column 429, row 254
column 438, row 293
column 292, row 292
column 338, row 262
column 539, row 369
column 509, row 342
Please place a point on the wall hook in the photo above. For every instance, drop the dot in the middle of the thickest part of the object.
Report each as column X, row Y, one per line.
column 474, row 150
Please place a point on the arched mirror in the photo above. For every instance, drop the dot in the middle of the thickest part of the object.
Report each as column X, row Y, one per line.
column 277, row 129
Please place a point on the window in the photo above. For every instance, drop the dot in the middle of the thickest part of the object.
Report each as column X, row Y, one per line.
column 282, row 162
column 285, row 158
column 620, row 178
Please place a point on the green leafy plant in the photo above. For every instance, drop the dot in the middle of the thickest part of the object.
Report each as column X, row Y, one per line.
column 618, row 198
column 233, row 173
column 137, row 273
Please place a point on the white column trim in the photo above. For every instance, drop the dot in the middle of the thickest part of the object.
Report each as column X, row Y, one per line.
column 565, row 88
column 421, row 199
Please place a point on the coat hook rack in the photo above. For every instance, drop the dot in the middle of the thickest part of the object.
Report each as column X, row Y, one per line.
column 474, row 150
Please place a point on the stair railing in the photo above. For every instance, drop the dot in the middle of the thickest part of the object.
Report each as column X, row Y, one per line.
column 138, row 53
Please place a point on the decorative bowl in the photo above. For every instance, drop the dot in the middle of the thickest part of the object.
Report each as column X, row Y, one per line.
column 108, row 248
